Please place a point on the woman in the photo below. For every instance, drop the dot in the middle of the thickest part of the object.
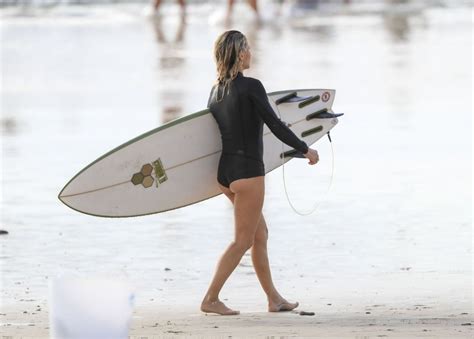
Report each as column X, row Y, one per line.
column 240, row 106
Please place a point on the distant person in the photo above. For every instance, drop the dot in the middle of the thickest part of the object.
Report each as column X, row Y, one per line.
column 252, row 3
column 182, row 3
column 240, row 106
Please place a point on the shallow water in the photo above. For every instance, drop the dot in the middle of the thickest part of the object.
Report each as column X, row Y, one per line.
column 78, row 81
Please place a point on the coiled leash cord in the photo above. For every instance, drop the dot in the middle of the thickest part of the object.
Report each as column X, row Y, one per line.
column 318, row 203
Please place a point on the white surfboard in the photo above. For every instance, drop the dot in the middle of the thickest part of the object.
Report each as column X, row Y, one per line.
column 175, row 165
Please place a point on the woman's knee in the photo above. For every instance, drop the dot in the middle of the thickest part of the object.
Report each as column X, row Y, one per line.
column 261, row 238
column 243, row 244
column 261, row 235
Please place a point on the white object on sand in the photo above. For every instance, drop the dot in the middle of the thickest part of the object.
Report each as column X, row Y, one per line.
column 93, row 308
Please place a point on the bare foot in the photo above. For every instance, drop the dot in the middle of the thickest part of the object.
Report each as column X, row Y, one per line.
column 217, row 307
column 281, row 305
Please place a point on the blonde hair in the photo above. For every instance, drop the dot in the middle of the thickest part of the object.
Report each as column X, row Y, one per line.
column 227, row 48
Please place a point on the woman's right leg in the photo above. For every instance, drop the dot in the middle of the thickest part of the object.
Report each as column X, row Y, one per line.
column 253, row 4
column 261, row 264
column 248, row 203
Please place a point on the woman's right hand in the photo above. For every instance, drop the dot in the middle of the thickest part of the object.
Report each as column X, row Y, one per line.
column 312, row 155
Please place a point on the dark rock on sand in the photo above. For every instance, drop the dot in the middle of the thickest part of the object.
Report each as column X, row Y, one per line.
column 306, row 313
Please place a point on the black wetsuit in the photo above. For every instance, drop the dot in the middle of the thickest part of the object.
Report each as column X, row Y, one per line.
column 240, row 115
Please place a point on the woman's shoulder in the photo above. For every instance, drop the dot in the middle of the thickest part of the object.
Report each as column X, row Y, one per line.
column 251, row 82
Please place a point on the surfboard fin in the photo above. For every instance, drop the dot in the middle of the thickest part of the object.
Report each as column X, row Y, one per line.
column 323, row 114
column 329, row 115
column 292, row 154
column 291, row 97
column 285, row 98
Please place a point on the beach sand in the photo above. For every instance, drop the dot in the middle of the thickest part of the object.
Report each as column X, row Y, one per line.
column 403, row 304
column 401, row 320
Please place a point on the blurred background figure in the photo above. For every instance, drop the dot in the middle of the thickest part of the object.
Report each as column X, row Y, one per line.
column 171, row 64
column 230, row 5
column 157, row 3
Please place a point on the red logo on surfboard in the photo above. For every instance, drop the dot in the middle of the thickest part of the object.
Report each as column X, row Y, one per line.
column 325, row 97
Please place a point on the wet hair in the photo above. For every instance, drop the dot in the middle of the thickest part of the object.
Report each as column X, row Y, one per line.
column 227, row 48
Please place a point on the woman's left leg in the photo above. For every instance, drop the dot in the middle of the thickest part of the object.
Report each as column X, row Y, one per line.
column 253, row 4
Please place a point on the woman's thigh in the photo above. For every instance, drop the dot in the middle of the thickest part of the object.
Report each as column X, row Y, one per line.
column 228, row 193
column 261, row 234
column 248, row 204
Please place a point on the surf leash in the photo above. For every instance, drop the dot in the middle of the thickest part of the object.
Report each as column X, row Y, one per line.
column 318, row 203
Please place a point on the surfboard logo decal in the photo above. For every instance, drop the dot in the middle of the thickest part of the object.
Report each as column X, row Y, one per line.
column 145, row 177
column 325, row 97
column 160, row 173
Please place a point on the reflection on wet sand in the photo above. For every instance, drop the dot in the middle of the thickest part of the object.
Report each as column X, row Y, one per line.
column 171, row 63
column 182, row 4
column 397, row 18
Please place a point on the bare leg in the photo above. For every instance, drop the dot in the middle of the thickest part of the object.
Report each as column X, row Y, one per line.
column 248, row 203
column 261, row 264
column 253, row 4
column 230, row 5
column 182, row 4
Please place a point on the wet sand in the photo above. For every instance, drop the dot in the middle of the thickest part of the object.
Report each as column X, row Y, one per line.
column 391, row 304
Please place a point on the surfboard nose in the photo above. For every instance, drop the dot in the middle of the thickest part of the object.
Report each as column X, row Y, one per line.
column 62, row 196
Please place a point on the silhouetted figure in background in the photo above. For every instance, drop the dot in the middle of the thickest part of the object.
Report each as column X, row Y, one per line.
column 252, row 3
column 182, row 3
column 171, row 64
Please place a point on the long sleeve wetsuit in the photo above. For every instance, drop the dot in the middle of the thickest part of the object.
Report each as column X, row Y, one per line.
column 240, row 115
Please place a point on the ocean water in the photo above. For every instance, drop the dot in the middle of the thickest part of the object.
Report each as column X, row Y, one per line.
column 397, row 222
